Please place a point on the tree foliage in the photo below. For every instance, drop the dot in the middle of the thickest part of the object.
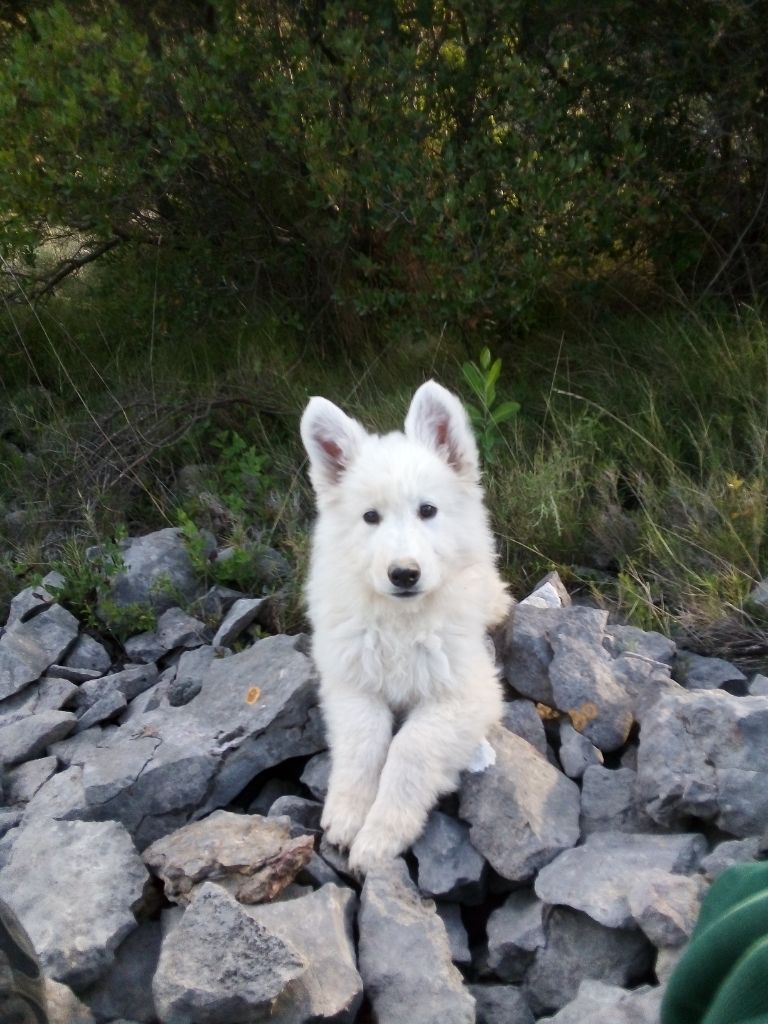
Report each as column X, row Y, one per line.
column 447, row 158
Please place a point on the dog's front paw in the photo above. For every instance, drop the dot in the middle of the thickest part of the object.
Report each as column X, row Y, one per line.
column 373, row 848
column 342, row 820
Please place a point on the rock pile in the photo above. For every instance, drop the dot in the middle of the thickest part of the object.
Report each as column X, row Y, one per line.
column 160, row 811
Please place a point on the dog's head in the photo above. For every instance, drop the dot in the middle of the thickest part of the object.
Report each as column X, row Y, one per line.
column 401, row 512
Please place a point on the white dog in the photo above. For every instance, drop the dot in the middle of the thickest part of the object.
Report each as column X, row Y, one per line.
column 402, row 588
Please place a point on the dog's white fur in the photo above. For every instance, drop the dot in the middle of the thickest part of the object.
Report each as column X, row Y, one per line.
column 408, row 686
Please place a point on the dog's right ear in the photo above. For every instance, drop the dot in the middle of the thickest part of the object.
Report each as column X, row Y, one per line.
column 332, row 440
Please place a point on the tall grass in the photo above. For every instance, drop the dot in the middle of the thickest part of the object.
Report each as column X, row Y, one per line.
column 636, row 466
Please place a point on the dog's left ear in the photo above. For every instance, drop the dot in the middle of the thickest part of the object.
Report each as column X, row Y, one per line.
column 438, row 420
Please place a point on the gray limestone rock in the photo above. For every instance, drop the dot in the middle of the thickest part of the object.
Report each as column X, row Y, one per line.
column 27, row 648
column 74, row 675
column 704, row 754
column 666, row 906
column 252, row 969
column 87, row 653
column 522, row 811
column 450, row 868
column 157, row 571
column 320, row 927
column 586, row 688
column 190, row 673
column 25, row 739
column 28, row 602
column 501, row 1004
column 130, row 682
column 252, row 857
column 23, row 782
column 596, row 1001
column 640, row 643
column 125, row 990
column 63, row 1006
column 596, row 878
column 695, row 672
column 522, row 718
column 302, row 812
column 174, row 629
column 170, row 765
column 316, row 774
column 271, row 791
column 215, row 603
column 405, row 956
column 105, row 709
column 578, row 948
column 758, row 686
column 610, row 802
column 47, row 694
column 458, row 940
column 241, row 614
column 75, row 938
column 527, row 653
column 726, row 854
column 515, row 933
column 576, row 752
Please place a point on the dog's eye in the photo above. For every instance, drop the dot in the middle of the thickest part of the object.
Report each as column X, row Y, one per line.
column 427, row 511
column 372, row 516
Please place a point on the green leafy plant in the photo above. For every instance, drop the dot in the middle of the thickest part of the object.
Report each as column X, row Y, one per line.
column 487, row 416
column 241, row 471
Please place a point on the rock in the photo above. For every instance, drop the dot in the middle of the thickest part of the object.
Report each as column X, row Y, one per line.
column 646, row 645
column 174, row 629
column 527, row 653
column 759, row 593
column 27, row 648
column 585, row 687
column 251, row 970
column 597, row 1001
column 725, row 855
column 704, row 754
column 252, row 857
column 106, row 709
column 578, row 948
column 190, row 673
column 125, row 990
column 304, row 813
column 450, row 915
column 25, row 739
column 23, row 782
column 76, row 748
column 74, row 675
column 610, row 802
column 316, row 774
column 9, row 819
column 576, row 752
column 88, row 653
column 320, row 927
column 48, row 694
column 666, row 906
column 62, row 798
column 449, row 866
column 596, row 877
column 695, row 672
column 271, row 791
column 405, row 956
column 758, row 687
column 549, row 592
column 255, row 709
column 515, row 932
column 522, row 812
column 63, row 1006
column 75, row 938
column 501, row 1004
column 28, row 602
column 241, row 614
column 157, row 571
column 522, row 718
column 318, row 872
column 130, row 682
column 215, row 603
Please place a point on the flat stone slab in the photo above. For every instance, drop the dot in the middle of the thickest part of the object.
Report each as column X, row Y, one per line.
column 450, row 868
column 515, row 931
column 597, row 877
column 171, row 765
column 254, row 858
column 28, row 647
column 522, row 811
column 78, row 902
column 25, row 739
column 405, row 956
column 596, row 1001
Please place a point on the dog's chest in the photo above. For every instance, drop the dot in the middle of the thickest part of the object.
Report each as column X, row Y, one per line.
column 404, row 667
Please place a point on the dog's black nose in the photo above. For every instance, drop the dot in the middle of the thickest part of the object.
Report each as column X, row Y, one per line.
column 404, row 576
